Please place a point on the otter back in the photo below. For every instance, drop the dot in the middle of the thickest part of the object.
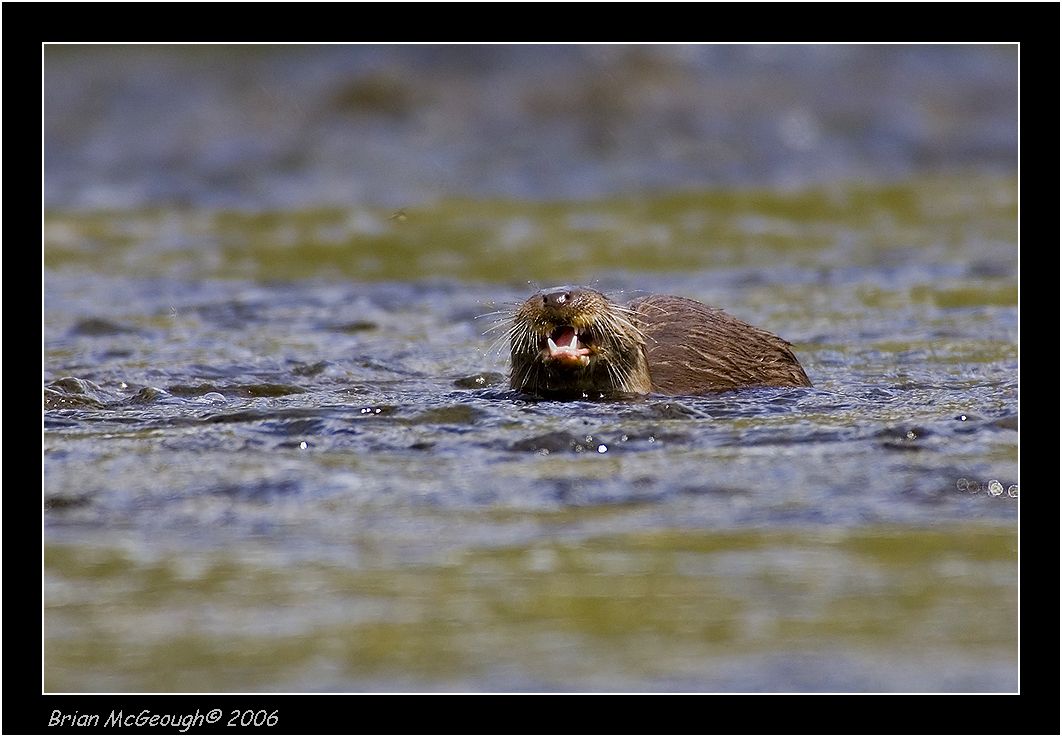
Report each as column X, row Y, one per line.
column 693, row 349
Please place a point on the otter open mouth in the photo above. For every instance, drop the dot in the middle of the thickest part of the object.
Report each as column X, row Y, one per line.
column 566, row 348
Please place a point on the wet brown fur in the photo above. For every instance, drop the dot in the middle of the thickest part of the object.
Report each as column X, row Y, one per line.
column 693, row 348
column 659, row 344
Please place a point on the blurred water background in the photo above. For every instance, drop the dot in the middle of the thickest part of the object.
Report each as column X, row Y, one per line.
column 279, row 451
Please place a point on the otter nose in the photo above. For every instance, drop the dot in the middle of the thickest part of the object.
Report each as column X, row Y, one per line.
column 558, row 296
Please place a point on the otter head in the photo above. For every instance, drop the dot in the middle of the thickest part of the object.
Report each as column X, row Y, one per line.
column 574, row 341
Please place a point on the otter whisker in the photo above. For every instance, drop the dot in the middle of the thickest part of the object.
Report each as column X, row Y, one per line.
column 498, row 344
column 624, row 310
column 506, row 312
column 499, row 324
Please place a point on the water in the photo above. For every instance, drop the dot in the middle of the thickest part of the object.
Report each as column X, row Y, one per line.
column 280, row 452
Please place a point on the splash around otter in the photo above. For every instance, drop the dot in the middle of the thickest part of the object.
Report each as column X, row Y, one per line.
column 575, row 341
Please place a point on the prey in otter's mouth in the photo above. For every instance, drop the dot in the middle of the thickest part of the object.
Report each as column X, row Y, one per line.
column 571, row 350
column 575, row 341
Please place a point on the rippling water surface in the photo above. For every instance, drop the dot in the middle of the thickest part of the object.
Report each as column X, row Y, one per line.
column 280, row 452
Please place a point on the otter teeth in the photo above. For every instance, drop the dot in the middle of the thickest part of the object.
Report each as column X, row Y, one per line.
column 573, row 346
column 572, row 354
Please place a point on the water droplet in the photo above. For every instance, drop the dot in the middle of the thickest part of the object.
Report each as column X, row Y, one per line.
column 602, row 448
column 995, row 488
column 1012, row 491
column 962, row 484
column 302, row 445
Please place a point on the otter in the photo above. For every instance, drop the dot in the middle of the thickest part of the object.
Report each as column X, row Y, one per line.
column 575, row 341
